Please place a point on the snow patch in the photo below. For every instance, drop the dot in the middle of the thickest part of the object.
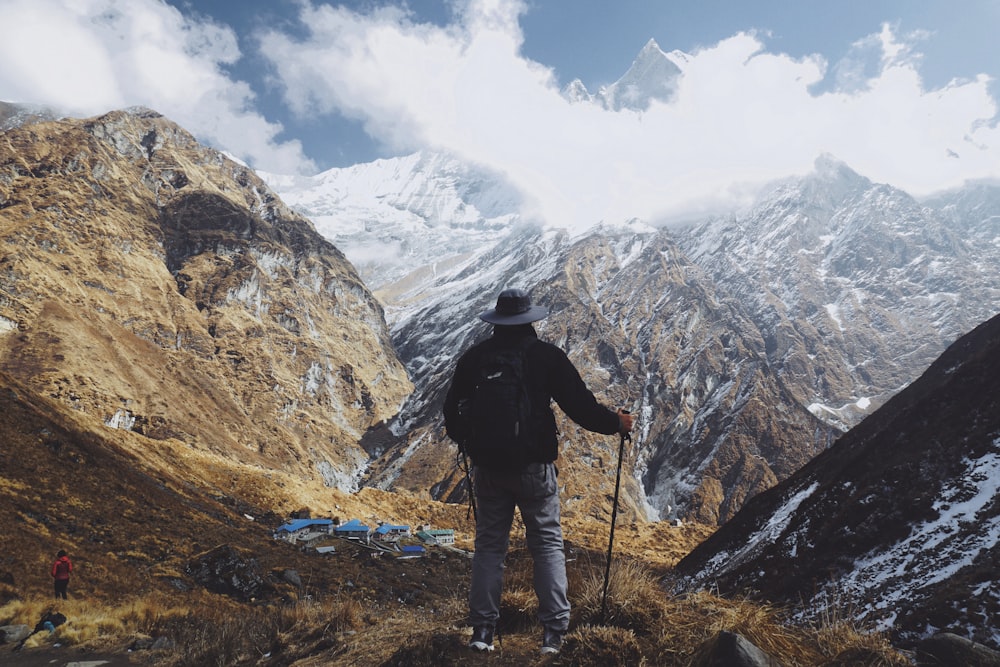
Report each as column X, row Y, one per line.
column 833, row 310
column 901, row 570
column 770, row 532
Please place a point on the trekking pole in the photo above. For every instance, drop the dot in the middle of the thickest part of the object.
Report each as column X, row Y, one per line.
column 614, row 516
column 468, row 483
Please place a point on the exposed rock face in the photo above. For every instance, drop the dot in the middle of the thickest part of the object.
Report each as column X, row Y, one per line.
column 748, row 342
column 646, row 329
column 897, row 521
column 158, row 286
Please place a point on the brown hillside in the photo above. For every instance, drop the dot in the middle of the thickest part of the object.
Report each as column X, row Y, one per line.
column 158, row 286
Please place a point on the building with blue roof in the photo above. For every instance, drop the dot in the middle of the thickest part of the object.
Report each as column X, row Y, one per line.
column 304, row 529
column 353, row 528
column 437, row 535
column 412, row 551
column 387, row 532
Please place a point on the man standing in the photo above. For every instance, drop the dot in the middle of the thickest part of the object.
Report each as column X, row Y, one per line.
column 524, row 474
column 61, row 570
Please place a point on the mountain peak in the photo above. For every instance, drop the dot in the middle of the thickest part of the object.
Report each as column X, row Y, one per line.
column 651, row 48
column 653, row 75
column 835, row 177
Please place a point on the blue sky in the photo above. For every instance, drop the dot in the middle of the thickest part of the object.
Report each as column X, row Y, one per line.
column 904, row 91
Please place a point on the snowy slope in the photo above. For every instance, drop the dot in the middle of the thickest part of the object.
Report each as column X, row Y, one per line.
column 391, row 217
column 899, row 520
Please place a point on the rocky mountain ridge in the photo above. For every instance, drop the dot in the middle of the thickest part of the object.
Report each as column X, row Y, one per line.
column 154, row 284
column 856, row 284
column 827, row 296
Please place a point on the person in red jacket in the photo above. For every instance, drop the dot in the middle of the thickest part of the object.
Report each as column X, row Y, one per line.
column 60, row 573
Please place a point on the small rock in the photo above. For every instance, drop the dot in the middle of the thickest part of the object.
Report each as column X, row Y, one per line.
column 292, row 577
column 946, row 648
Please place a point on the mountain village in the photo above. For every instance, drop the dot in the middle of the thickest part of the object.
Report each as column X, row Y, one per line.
column 398, row 540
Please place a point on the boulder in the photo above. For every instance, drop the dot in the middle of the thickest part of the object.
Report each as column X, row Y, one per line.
column 10, row 634
column 734, row 650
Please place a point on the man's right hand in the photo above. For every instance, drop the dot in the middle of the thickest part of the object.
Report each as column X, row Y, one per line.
column 625, row 421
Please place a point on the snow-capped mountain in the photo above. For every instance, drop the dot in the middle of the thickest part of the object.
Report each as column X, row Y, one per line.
column 391, row 217
column 653, row 75
column 898, row 521
column 748, row 341
column 855, row 285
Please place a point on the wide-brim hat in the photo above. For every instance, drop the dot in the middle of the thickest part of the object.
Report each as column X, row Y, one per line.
column 513, row 307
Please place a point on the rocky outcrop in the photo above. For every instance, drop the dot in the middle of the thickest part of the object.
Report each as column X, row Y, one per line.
column 228, row 571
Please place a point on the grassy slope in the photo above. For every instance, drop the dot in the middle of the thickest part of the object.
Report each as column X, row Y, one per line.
column 133, row 513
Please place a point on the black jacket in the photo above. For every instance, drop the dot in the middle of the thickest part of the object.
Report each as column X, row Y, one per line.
column 549, row 374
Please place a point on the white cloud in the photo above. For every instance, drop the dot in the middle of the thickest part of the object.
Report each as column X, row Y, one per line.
column 742, row 115
column 90, row 56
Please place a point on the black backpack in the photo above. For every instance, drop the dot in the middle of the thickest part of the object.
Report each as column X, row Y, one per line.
column 499, row 411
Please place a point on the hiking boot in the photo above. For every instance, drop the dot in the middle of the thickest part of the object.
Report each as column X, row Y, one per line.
column 552, row 641
column 482, row 638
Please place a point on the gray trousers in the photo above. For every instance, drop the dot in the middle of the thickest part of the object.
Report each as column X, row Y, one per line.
column 535, row 492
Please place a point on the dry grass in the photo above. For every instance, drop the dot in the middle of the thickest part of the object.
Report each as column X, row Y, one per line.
column 635, row 600
column 642, row 618
column 201, row 629
column 601, row 645
column 644, row 625
column 90, row 623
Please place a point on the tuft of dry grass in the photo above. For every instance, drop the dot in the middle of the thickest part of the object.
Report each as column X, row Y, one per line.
column 693, row 622
column 635, row 600
column 601, row 645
